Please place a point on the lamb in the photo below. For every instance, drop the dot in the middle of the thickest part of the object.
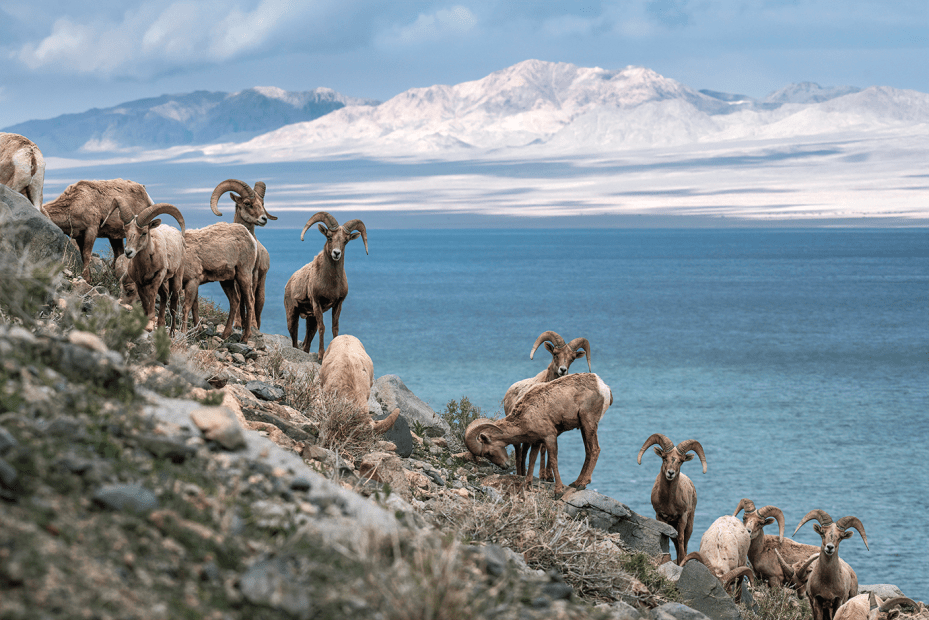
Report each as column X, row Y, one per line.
column 348, row 371
column 562, row 357
column 724, row 550
column 870, row 607
column 156, row 259
column 249, row 212
column 674, row 497
column 321, row 284
column 22, row 167
column 224, row 253
column 84, row 212
column 762, row 552
column 832, row 581
column 543, row 413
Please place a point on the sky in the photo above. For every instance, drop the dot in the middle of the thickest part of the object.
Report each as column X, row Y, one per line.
column 64, row 57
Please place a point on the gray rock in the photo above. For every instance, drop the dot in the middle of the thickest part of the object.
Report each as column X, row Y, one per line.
column 390, row 392
column 619, row 610
column 670, row 571
column 126, row 498
column 638, row 533
column 25, row 230
column 676, row 611
column 265, row 391
column 399, row 435
column 278, row 583
column 701, row 590
column 8, row 475
column 7, row 441
column 883, row 590
column 238, row 347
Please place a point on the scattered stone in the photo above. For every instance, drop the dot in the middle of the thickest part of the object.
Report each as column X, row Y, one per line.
column 8, row 475
column 219, row 424
column 88, row 341
column 126, row 498
column 676, row 611
column 619, row 611
column 670, row 571
column 386, row 468
column 701, row 590
column 265, row 391
column 883, row 590
column 399, row 435
column 238, row 358
column 279, row 582
column 7, row 441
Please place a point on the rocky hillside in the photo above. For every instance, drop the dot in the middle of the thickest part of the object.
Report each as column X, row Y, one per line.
column 145, row 476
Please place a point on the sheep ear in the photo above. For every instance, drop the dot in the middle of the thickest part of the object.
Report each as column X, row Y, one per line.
column 769, row 520
column 688, row 457
column 847, row 534
column 323, row 230
column 658, row 451
column 483, row 439
column 354, row 236
column 154, row 223
column 551, row 349
column 579, row 354
column 817, row 529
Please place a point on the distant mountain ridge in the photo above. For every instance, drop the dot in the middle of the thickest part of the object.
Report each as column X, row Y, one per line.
column 534, row 104
column 200, row 117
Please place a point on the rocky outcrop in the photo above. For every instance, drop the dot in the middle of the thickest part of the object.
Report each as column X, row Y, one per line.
column 391, row 393
column 25, row 231
column 638, row 533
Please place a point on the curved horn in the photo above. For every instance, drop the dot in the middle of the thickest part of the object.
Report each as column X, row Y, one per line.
column 735, row 573
column 581, row 343
column 230, row 185
column 115, row 208
column 360, row 227
column 692, row 444
column 666, row 446
column 899, row 600
column 774, row 511
column 320, row 216
column 474, row 429
column 260, row 192
column 744, row 504
column 124, row 213
column 694, row 555
column 145, row 217
column 552, row 337
column 785, row 567
column 820, row 515
column 845, row 522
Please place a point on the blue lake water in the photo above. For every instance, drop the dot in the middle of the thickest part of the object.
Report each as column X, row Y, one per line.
column 798, row 358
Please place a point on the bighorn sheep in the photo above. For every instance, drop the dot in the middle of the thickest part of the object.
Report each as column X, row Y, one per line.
column 832, row 581
column 562, row 357
column 224, row 253
column 724, row 550
column 249, row 212
column 22, row 167
column 321, row 284
column 674, row 497
column 867, row 606
column 797, row 573
column 84, row 212
column 545, row 411
column 348, row 371
column 156, row 259
column 761, row 553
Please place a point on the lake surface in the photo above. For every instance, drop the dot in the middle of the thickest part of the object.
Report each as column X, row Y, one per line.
column 798, row 358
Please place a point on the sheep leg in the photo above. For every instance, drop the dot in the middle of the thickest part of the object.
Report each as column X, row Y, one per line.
column 118, row 250
column 310, row 333
column 175, row 296
column 591, row 454
column 551, row 444
column 320, row 329
column 244, row 279
column 232, row 295
column 519, row 455
column 545, row 466
column 147, row 294
column 85, row 243
column 259, row 297
column 533, row 453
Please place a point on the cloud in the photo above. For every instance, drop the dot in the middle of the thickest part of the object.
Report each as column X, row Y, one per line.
column 429, row 28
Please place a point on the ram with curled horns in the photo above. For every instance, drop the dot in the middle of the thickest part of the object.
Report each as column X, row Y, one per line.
column 321, row 284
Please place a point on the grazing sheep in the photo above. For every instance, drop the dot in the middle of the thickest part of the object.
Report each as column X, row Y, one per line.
column 724, row 550
column 224, row 253
column 761, row 553
column 156, row 260
column 674, row 497
column 562, row 357
column 321, row 284
column 543, row 413
column 832, row 581
column 22, row 167
column 249, row 212
column 84, row 212
column 348, row 371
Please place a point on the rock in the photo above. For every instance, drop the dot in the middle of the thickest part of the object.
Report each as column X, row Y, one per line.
column 670, row 571
column 265, row 391
column 279, row 583
column 701, row 590
column 8, row 475
column 126, row 498
column 676, row 611
column 238, row 347
column 619, row 611
column 638, row 533
column 25, row 230
column 391, row 393
column 7, row 441
column 88, row 341
column 399, row 435
column 219, row 424
column 386, row 468
column 883, row 590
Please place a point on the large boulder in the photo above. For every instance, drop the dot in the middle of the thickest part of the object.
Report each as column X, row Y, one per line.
column 392, row 394
column 701, row 590
column 24, row 230
column 638, row 533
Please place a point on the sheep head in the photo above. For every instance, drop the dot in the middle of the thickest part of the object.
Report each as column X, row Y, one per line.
column 562, row 354
column 337, row 236
column 755, row 520
column 139, row 226
column 249, row 203
column 483, row 438
column 833, row 533
column 796, row 575
column 672, row 457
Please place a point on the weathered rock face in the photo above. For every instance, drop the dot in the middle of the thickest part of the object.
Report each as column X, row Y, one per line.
column 391, row 393
column 702, row 591
column 399, row 435
column 26, row 231
column 637, row 532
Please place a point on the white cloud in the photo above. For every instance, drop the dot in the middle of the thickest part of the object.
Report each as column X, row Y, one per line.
column 428, row 28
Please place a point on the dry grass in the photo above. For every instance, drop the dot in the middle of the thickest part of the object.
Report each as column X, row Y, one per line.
column 775, row 604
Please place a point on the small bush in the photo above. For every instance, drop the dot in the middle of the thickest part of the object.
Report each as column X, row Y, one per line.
column 25, row 287
column 459, row 414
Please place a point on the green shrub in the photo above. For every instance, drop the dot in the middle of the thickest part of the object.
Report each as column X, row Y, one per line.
column 25, row 287
column 459, row 414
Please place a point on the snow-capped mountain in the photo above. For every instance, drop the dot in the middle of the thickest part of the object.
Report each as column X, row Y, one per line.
column 200, row 117
column 563, row 107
